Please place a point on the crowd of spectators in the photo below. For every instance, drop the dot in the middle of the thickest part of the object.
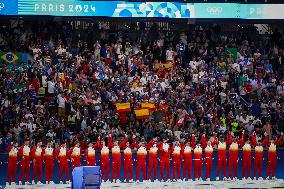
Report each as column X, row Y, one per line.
column 76, row 76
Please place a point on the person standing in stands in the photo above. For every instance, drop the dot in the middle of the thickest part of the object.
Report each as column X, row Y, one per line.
column 12, row 163
column 198, row 162
column 37, row 157
column 75, row 154
column 164, row 149
column 24, row 155
column 153, row 158
column 187, row 158
column 62, row 159
column 176, row 155
column 208, row 160
column 233, row 159
column 48, row 157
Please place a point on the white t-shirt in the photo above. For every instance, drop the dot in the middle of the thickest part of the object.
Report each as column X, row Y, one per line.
column 51, row 86
column 61, row 101
column 170, row 55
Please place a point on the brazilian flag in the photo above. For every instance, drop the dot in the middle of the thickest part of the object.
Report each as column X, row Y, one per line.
column 10, row 57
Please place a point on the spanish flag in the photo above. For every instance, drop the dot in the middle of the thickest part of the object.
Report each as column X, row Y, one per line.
column 123, row 107
column 10, row 57
column 142, row 113
column 148, row 105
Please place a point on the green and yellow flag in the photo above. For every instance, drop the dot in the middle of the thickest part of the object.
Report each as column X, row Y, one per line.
column 10, row 57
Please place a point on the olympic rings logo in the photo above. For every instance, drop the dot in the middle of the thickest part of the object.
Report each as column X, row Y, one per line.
column 214, row 10
column 2, row 6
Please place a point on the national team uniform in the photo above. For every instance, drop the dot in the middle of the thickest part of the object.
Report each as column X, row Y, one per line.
column 12, row 163
column 208, row 160
column 233, row 159
column 222, row 159
column 164, row 149
column 187, row 158
column 48, row 156
column 258, row 151
column 37, row 156
column 153, row 159
column 246, row 160
column 61, row 156
column 24, row 154
column 176, row 154
column 75, row 154
column 197, row 162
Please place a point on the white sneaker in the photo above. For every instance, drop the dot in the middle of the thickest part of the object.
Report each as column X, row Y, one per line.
column 39, row 182
column 168, row 180
column 156, row 180
column 20, row 183
column 149, row 180
column 267, row 178
column 249, row 178
column 51, row 182
column 254, row 178
column 179, row 180
column 174, row 180
column 274, row 178
column 236, row 179
column 13, row 184
column 196, row 179
column 68, row 182
column 131, row 180
column 28, row 183
column 190, row 180
column 33, row 182
column 107, row 181
column 244, row 178
column 60, row 182
column 217, row 178
column 229, row 179
column 208, row 179
column 117, row 181
column 137, row 181
column 162, row 180
column 124, row 180
column 260, row 178
column 225, row 178
column 7, row 184
column 200, row 179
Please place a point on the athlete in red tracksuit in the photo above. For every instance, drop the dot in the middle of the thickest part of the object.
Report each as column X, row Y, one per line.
column 233, row 159
column 153, row 158
column 90, row 154
column 48, row 156
column 215, row 141
column 116, row 157
column 258, row 151
column 165, row 152
column 272, row 153
column 176, row 154
column 62, row 159
column 222, row 159
column 75, row 154
column 246, row 160
column 187, row 159
column 141, row 160
column 24, row 155
column 208, row 160
column 37, row 157
column 128, row 162
column 203, row 141
column 198, row 162
column 229, row 140
column 12, row 163
column 104, row 160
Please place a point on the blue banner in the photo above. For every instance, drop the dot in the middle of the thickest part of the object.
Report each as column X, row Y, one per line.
column 141, row 9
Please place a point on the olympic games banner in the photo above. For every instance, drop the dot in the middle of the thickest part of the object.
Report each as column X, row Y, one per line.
column 141, row 9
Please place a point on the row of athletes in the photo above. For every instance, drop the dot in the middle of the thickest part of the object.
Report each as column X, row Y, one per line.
column 179, row 152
